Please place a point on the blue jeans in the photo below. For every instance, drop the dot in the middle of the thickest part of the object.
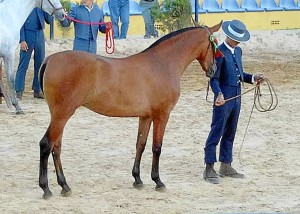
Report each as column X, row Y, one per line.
column 119, row 9
column 148, row 19
column 36, row 42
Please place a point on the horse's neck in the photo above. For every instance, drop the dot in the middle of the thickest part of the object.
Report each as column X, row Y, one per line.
column 17, row 11
column 180, row 50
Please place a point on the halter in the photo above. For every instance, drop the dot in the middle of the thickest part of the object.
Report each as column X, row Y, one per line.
column 54, row 9
column 213, row 43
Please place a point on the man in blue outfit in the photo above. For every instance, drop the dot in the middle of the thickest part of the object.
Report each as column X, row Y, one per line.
column 32, row 38
column 86, row 34
column 119, row 9
column 225, row 84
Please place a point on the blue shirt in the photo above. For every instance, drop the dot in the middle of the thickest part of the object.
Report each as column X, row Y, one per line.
column 229, row 70
column 35, row 22
column 85, row 31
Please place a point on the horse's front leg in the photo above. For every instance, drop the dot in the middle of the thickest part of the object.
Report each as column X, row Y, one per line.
column 9, row 62
column 143, row 131
column 159, row 126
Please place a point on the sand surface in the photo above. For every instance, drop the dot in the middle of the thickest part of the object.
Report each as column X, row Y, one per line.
column 98, row 151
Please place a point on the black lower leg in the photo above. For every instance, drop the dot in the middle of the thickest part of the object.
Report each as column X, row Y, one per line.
column 138, row 183
column 61, row 180
column 45, row 148
column 155, row 168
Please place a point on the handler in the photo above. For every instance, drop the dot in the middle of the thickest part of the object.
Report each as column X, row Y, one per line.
column 32, row 39
column 225, row 84
column 86, row 34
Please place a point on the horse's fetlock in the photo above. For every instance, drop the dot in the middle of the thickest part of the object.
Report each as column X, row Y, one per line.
column 135, row 172
column 62, row 182
column 43, row 184
column 156, row 149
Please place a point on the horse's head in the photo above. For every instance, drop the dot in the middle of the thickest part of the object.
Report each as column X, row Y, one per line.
column 207, row 58
column 53, row 7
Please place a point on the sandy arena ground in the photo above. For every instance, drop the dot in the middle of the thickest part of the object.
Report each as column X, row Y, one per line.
column 98, row 152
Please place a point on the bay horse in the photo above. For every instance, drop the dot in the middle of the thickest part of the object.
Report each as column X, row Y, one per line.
column 144, row 85
column 13, row 15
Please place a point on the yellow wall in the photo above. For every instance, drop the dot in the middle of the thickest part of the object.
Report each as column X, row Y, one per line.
column 271, row 20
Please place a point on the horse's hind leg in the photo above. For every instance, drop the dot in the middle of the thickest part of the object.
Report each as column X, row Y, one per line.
column 159, row 126
column 143, row 131
column 45, row 149
column 61, row 180
column 51, row 142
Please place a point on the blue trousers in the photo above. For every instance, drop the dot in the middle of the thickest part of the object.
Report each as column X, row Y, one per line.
column 148, row 19
column 36, row 42
column 223, row 127
column 119, row 9
column 85, row 45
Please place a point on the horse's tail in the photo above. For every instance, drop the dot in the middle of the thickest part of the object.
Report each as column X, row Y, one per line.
column 41, row 73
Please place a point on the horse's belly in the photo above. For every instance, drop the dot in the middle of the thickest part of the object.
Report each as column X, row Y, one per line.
column 119, row 110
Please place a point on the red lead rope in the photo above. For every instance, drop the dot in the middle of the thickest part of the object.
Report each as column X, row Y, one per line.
column 110, row 43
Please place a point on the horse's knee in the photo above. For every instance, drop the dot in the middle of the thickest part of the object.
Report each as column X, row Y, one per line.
column 156, row 149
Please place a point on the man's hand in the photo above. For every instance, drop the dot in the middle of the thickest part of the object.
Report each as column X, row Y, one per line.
column 220, row 100
column 259, row 78
column 24, row 46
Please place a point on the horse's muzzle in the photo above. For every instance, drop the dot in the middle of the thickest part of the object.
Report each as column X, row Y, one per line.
column 59, row 14
column 211, row 70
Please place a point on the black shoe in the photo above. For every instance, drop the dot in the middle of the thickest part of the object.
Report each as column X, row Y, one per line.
column 147, row 36
column 19, row 94
column 38, row 95
column 210, row 174
column 226, row 170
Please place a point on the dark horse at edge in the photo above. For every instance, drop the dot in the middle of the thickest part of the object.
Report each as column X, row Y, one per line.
column 144, row 85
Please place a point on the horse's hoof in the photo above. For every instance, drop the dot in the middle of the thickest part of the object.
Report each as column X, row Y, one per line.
column 160, row 188
column 66, row 193
column 138, row 185
column 47, row 195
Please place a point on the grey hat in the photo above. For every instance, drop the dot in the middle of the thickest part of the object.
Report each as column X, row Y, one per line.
column 236, row 30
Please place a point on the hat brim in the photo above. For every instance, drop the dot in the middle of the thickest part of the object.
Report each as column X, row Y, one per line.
column 245, row 37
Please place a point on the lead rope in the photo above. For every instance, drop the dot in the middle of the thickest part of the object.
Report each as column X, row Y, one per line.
column 256, row 104
column 109, row 40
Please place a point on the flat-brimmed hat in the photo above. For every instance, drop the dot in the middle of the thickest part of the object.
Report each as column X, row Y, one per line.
column 236, row 30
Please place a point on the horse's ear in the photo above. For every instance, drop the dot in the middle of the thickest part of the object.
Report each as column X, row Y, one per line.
column 215, row 28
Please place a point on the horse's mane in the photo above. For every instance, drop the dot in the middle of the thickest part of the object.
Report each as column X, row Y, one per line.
column 168, row 36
